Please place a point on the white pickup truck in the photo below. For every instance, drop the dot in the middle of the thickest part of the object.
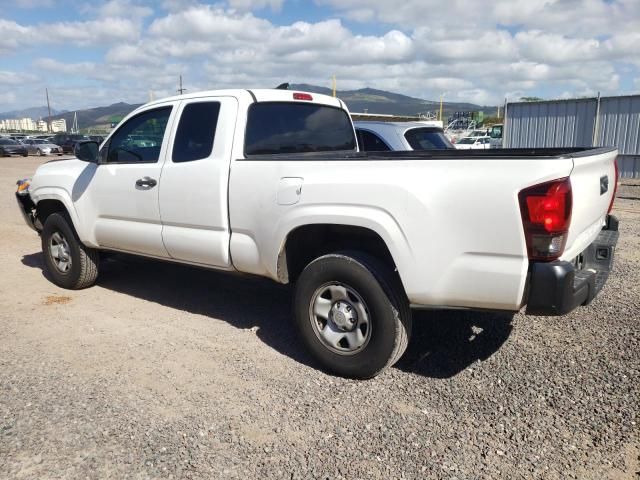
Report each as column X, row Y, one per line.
column 271, row 183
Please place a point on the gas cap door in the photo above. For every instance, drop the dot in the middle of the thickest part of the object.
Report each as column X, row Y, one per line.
column 289, row 190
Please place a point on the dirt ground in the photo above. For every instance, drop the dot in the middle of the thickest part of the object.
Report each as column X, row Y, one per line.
column 164, row 371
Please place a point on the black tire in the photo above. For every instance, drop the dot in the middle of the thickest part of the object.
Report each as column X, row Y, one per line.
column 388, row 309
column 83, row 269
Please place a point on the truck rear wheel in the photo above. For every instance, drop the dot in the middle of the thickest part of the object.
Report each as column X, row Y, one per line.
column 352, row 314
column 67, row 261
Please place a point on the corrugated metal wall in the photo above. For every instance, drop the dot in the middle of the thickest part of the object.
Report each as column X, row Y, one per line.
column 619, row 124
column 550, row 124
column 571, row 123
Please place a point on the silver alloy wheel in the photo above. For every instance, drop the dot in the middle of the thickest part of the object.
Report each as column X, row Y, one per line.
column 340, row 318
column 60, row 252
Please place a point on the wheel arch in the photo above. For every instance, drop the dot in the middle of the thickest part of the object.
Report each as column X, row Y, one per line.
column 54, row 202
column 304, row 243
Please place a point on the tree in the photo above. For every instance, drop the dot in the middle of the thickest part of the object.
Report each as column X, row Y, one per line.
column 531, row 99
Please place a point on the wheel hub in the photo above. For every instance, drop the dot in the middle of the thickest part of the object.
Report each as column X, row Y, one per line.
column 340, row 318
column 344, row 316
column 60, row 252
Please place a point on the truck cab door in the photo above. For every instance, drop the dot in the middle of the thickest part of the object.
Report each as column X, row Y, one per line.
column 124, row 188
column 193, row 193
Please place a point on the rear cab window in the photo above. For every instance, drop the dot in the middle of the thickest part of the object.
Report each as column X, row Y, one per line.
column 196, row 132
column 288, row 127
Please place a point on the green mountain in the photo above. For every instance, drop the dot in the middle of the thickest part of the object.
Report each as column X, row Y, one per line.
column 35, row 113
column 367, row 100
column 99, row 117
column 371, row 100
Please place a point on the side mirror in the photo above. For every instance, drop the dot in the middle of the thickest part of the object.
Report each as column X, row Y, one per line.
column 87, row 151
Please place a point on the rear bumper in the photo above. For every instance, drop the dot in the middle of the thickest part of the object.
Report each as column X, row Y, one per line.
column 556, row 288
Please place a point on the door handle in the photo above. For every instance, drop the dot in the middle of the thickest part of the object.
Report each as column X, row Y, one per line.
column 146, row 182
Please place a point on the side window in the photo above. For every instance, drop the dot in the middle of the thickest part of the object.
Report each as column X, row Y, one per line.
column 196, row 131
column 139, row 139
column 370, row 142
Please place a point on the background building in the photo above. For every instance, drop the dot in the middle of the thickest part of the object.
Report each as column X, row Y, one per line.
column 59, row 125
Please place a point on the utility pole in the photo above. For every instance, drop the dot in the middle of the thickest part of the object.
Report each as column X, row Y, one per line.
column 48, row 108
column 181, row 90
column 441, row 102
column 334, row 86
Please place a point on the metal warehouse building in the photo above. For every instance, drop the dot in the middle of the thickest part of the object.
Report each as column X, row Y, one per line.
column 601, row 121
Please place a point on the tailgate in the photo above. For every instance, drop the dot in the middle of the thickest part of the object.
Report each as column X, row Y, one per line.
column 593, row 181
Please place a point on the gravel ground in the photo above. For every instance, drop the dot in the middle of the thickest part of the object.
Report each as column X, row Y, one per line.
column 164, row 371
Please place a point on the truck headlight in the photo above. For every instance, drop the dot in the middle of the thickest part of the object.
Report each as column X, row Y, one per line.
column 23, row 186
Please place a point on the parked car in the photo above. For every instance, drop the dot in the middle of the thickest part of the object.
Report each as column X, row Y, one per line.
column 384, row 136
column 41, row 147
column 9, row 147
column 476, row 133
column 96, row 138
column 363, row 237
column 496, row 132
column 68, row 141
column 473, row 143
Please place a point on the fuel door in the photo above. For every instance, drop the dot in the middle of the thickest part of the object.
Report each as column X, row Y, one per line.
column 289, row 190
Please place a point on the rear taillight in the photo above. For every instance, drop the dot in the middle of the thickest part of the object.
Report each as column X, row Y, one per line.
column 615, row 186
column 546, row 215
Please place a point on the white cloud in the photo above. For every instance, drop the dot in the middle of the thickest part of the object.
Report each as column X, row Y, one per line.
column 275, row 5
column 8, row 78
column 95, row 32
column 124, row 9
column 474, row 51
column 14, row 36
column 8, row 99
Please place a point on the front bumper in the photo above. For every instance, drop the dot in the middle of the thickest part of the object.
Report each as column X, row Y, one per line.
column 556, row 288
column 28, row 209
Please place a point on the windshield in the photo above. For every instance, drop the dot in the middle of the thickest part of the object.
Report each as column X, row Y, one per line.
column 424, row 138
column 7, row 141
column 288, row 127
column 467, row 141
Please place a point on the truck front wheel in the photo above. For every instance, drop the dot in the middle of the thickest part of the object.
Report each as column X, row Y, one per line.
column 352, row 314
column 67, row 261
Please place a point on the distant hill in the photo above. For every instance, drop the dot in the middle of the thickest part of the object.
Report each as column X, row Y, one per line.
column 379, row 101
column 364, row 100
column 36, row 113
column 98, row 117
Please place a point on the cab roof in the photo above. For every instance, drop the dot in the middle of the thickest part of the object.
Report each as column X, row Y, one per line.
column 256, row 95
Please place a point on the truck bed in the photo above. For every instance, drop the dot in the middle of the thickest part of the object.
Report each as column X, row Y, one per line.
column 460, row 220
column 498, row 153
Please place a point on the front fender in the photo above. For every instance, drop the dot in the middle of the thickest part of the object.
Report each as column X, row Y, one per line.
column 61, row 195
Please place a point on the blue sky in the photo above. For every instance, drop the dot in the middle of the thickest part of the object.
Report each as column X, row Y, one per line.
column 102, row 52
